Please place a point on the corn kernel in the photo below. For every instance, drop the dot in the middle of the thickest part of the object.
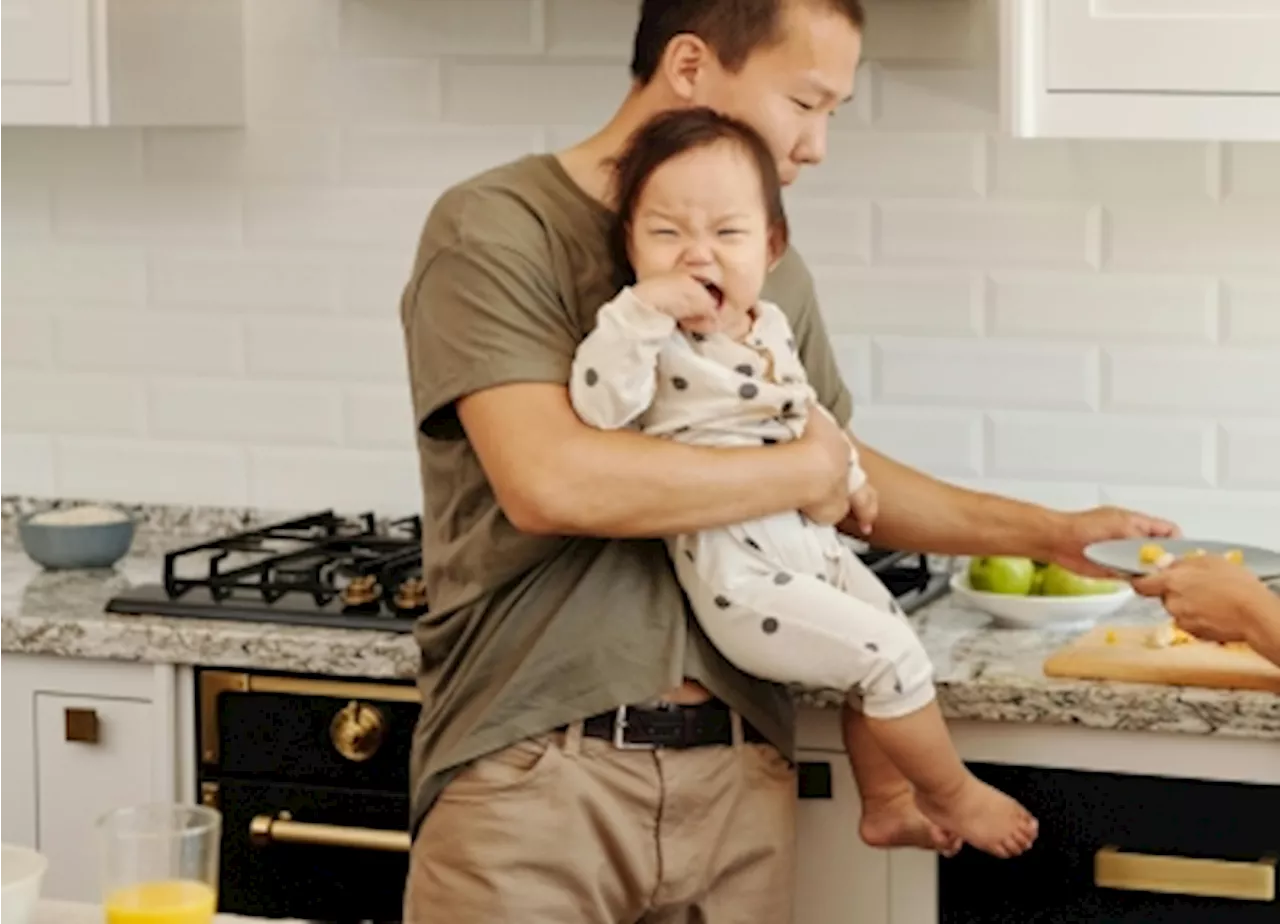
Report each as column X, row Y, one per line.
column 1150, row 553
column 1235, row 556
column 1111, row 637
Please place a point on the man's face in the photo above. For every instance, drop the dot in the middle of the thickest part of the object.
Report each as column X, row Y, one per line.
column 789, row 91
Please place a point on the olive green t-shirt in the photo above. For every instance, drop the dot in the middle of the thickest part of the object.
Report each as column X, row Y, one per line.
column 527, row 633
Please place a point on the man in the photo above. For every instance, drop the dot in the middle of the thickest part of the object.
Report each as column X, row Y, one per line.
column 583, row 753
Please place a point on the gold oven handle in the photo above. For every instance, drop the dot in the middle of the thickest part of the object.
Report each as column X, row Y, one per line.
column 1142, row 872
column 265, row 829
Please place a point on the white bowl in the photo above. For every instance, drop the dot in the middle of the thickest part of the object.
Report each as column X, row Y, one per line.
column 21, row 871
column 1033, row 612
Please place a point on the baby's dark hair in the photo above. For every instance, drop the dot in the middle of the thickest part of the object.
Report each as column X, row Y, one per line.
column 669, row 135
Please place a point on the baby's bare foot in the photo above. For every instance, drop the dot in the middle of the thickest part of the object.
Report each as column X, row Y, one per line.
column 896, row 821
column 984, row 817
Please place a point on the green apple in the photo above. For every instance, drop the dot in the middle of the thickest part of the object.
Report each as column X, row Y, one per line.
column 1002, row 574
column 1060, row 582
column 1037, row 582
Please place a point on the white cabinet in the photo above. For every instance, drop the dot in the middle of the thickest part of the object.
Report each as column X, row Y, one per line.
column 1181, row 69
column 839, row 879
column 81, row 738
column 123, row 62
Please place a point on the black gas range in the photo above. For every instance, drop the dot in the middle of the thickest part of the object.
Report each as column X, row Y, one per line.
column 362, row 572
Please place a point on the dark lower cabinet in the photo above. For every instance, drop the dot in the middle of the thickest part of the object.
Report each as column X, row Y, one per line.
column 1136, row 821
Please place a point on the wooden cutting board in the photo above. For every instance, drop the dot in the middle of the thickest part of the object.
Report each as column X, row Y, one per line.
column 1128, row 656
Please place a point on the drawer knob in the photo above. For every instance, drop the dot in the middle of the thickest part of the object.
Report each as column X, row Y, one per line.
column 1145, row 872
column 82, row 725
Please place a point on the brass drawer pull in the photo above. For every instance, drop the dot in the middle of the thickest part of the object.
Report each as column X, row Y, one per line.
column 265, row 829
column 1144, row 872
column 82, row 725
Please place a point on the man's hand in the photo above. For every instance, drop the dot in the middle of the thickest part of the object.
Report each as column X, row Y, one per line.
column 1210, row 597
column 831, row 451
column 1082, row 529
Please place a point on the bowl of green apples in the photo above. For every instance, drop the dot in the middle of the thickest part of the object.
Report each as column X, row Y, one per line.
column 1026, row 594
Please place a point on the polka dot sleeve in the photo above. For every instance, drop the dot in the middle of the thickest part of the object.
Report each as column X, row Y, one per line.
column 614, row 374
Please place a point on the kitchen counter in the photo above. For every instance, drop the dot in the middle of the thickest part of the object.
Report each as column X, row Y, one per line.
column 983, row 673
column 56, row 912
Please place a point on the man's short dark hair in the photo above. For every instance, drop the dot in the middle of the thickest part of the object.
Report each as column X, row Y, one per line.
column 732, row 28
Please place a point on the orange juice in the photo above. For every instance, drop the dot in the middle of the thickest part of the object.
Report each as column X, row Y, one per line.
column 175, row 901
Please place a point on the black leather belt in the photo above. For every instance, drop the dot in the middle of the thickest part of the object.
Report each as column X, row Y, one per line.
column 668, row 725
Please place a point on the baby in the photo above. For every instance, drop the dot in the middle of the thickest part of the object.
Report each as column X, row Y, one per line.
column 691, row 353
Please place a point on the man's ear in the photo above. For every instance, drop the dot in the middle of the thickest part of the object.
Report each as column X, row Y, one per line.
column 684, row 62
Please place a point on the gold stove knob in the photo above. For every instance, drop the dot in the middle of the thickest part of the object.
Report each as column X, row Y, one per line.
column 357, row 730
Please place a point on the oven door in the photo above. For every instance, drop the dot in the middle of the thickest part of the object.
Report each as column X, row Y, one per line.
column 1120, row 849
column 312, row 852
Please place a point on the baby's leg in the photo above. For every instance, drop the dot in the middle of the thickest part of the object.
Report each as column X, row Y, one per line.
column 890, row 816
column 796, row 627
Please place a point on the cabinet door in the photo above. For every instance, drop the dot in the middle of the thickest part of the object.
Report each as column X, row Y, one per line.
column 1163, row 46
column 38, row 40
column 92, row 755
column 839, row 879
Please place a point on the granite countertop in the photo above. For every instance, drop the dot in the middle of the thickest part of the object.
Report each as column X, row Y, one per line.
column 983, row 673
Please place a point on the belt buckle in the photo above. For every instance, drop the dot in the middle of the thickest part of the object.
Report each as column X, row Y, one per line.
column 619, row 735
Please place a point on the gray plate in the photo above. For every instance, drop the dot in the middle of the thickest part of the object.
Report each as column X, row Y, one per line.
column 1122, row 554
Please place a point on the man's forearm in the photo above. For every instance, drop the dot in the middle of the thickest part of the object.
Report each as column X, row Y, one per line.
column 919, row 513
column 1263, row 624
column 623, row 484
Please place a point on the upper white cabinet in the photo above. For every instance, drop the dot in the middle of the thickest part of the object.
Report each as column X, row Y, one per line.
column 122, row 62
column 1189, row 69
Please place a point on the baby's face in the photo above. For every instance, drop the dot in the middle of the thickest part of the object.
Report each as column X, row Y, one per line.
column 702, row 213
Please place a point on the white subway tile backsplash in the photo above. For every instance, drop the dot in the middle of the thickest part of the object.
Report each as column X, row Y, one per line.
column 244, row 412
column 1208, row 513
column 1046, row 236
column 946, row 443
column 58, row 275
column 325, row 350
column 532, row 91
column 412, row 28
column 906, row 165
column 935, row 99
column 27, row 210
column 379, row 417
column 27, row 339
column 432, row 158
column 1252, row 310
column 1043, row 168
column 890, row 301
column 161, row 213
column 297, row 216
column 1251, row 453
column 1213, row 239
column 1092, row 447
column 597, row 28
column 985, row 373
column 150, row 471
column 1226, row 381
column 1104, row 307
column 48, row 402
column 299, row 153
column 212, row 314
column 230, row 282
column 28, row 463
column 139, row 344
column 833, row 232
column 74, row 155
column 345, row 479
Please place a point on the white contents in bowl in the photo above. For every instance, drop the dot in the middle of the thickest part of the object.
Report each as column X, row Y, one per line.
column 84, row 515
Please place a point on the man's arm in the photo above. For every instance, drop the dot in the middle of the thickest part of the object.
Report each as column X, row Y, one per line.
column 553, row 474
column 490, row 347
column 919, row 513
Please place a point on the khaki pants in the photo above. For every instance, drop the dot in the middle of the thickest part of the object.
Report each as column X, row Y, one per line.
column 562, row 829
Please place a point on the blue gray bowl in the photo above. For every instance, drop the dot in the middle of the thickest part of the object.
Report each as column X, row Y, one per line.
column 75, row 545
